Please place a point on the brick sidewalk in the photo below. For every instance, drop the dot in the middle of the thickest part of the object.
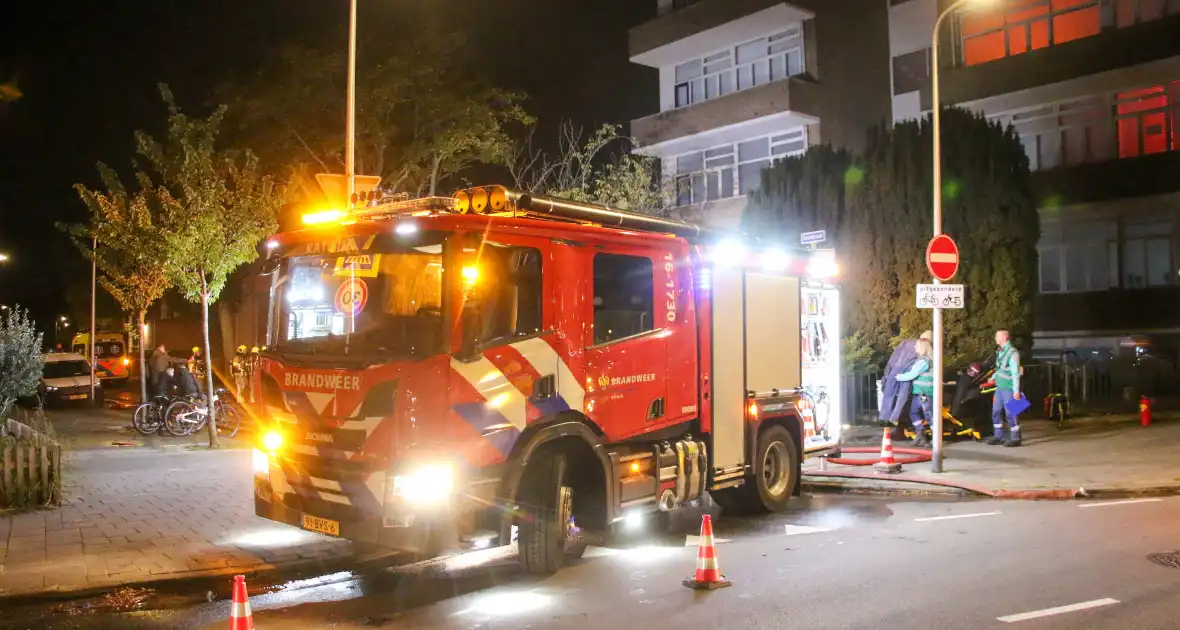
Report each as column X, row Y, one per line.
column 145, row 515
column 1103, row 455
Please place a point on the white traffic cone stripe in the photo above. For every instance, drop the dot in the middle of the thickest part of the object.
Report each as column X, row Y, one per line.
column 240, row 610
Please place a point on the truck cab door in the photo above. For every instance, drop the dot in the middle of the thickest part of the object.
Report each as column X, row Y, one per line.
column 627, row 354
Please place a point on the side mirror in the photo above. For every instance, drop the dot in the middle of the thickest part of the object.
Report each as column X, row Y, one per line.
column 270, row 265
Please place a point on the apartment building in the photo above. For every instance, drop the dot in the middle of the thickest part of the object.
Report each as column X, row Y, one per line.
column 1093, row 89
column 743, row 82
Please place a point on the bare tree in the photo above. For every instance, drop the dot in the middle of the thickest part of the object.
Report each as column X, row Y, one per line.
column 596, row 168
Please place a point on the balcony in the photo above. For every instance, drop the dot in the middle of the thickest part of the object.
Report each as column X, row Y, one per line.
column 705, row 26
column 1141, row 176
column 1115, row 310
column 1111, row 49
column 735, row 117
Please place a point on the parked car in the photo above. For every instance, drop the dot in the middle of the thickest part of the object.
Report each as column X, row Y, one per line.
column 66, row 378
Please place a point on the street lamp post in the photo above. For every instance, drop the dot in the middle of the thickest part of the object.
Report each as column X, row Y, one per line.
column 350, row 124
column 93, row 297
column 58, row 324
column 936, row 119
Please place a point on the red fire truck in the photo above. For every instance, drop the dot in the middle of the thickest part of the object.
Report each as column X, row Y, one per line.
column 502, row 367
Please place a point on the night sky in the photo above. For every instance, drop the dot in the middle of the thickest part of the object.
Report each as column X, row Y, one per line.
column 88, row 72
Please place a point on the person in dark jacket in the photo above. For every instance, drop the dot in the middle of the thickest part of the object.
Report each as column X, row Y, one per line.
column 894, row 393
column 921, row 377
column 158, row 364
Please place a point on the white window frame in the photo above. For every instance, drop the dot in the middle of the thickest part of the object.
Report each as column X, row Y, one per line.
column 718, row 73
column 713, row 168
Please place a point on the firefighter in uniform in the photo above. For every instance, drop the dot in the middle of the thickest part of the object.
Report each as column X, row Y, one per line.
column 238, row 369
column 921, row 375
column 1007, row 388
column 253, row 365
column 196, row 365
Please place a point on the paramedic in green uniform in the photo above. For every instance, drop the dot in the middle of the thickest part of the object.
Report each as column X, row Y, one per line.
column 1007, row 388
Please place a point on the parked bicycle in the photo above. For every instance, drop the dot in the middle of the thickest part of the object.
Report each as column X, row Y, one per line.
column 190, row 414
column 148, row 418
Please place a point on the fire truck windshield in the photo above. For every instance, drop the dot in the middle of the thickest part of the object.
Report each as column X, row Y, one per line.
column 385, row 300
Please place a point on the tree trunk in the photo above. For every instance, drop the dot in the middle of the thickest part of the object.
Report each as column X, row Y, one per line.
column 142, row 362
column 208, row 364
column 436, row 163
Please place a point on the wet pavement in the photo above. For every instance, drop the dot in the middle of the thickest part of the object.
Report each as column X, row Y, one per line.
column 829, row 562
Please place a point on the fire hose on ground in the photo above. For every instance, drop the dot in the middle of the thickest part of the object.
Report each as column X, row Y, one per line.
column 917, row 455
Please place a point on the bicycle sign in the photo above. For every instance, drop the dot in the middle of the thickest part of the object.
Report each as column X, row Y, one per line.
column 940, row 296
column 352, row 296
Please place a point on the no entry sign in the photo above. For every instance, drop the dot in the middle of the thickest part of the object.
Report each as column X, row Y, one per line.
column 942, row 257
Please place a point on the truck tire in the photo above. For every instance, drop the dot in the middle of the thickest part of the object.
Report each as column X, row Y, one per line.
column 547, row 535
column 776, row 469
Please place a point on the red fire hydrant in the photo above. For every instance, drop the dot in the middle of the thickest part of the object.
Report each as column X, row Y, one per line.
column 1144, row 411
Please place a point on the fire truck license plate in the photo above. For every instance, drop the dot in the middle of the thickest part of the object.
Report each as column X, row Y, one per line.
column 321, row 525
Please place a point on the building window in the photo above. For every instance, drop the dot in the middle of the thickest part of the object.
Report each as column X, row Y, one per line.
column 739, row 68
column 511, row 277
column 1132, row 12
column 1026, row 25
column 1101, row 127
column 1078, row 256
column 1147, row 120
column 623, row 299
column 733, row 169
column 1086, row 256
column 911, row 71
column 1147, row 255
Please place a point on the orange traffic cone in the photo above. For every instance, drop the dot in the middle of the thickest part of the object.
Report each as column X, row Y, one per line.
column 239, row 616
column 887, row 463
column 708, row 577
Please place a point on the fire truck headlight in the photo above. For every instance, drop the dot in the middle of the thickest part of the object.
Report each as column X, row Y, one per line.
column 261, row 463
column 272, row 441
column 428, row 484
column 126, row 361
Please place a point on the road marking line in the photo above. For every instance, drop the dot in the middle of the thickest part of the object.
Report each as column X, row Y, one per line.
column 1127, row 502
column 798, row 530
column 1048, row 612
column 947, row 518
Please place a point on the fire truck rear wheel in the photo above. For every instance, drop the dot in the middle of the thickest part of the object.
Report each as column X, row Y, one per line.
column 776, row 469
column 547, row 535
column 776, row 466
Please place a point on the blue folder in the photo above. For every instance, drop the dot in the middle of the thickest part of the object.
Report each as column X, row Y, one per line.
column 1016, row 406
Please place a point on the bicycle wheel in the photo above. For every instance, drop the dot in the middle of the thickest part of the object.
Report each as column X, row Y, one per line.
column 146, row 418
column 178, row 419
column 228, row 420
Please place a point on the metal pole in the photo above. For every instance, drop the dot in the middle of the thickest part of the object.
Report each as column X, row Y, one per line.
column 936, row 117
column 93, row 330
column 350, row 131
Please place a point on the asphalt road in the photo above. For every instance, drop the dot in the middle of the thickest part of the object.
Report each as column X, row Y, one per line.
column 830, row 562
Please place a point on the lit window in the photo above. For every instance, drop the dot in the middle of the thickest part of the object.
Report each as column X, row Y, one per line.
column 1026, row 25
column 1145, row 125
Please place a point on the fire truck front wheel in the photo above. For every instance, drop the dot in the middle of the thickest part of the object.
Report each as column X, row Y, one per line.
column 547, row 534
